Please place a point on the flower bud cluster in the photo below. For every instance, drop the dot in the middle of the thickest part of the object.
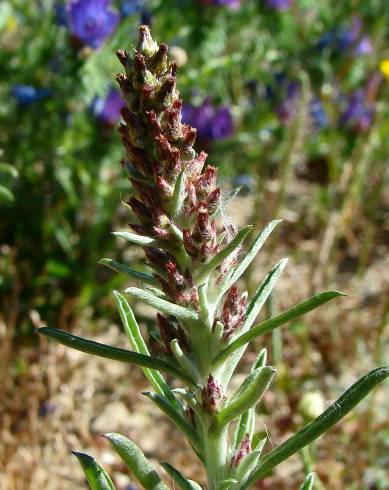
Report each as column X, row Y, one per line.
column 176, row 194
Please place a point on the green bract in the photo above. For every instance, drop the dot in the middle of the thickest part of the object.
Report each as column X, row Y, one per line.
column 204, row 322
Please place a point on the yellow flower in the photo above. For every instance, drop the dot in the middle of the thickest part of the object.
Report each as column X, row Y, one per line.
column 384, row 67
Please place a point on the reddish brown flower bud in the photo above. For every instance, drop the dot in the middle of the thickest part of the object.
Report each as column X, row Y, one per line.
column 207, row 181
column 242, row 451
column 122, row 56
column 195, row 166
column 175, row 277
column 164, row 188
column 141, row 230
column 202, row 230
column 153, row 122
column 158, row 63
column 189, row 244
column 124, row 83
column 167, row 332
column 157, row 257
column 142, row 212
column 213, row 200
column 212, row 395
column 233, row 311
column 165, row 93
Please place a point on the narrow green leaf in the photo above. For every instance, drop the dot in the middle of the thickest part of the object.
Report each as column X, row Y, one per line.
column 249, row 461
column 6, row 168
column 263, row 293
column 178, row 479
column 249, row 257
column 137, row 343
column 177, row 418
column 162, row 305
column 341, row 407
column 178, row 194
column 245, row 425
column 136, row 461
column 127, row 271
column 278, row 320
column 184, row 361
column 308, row 482
column 109, row 352
column 6, row 195
column 206, row 270
column 247, row 395
column 136, row 239
column 261, row 360
column 96, row 475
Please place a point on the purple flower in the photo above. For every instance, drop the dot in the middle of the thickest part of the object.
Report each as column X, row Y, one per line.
column 359, row 111
column 287, row 109
column 232, row 4
column 279, row 4
column 91, row 21
column 26, row 95
column 108, row 110
column 350, row 39
column 60, row 15
column 212, row 124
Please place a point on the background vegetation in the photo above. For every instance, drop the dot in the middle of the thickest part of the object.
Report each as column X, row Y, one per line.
column 291, row 102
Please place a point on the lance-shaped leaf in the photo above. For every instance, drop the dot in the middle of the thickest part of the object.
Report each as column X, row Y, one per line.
column 8, row 169
column 183, row 360
column 109, row 352
column 178, row 479
column 245, row 425
column 308, row 482
column 127, row 271
column 261, row 360
column 6, row 195
column 137, row 343
column 249, row 461
column 263, row 292
column 136, row 461
column 162, row 305
column 206, row 270
column 252, row 389
column 277, row 321
column 178, row 195
column 235, row 274
column 341, row 407
column 177, row 418
column 136, row 239
column 96, row 475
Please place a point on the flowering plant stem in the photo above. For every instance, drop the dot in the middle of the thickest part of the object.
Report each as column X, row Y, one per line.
column 204, row 322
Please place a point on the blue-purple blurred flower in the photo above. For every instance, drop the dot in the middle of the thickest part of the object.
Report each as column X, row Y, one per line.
column 92, row 21
column 107, row 110
column 288, row 107
column 132, row 7
column 60, row 14
column 317, row 113
column 27, row 94
column 347, row 40
column 279, row 5
column 359, row 111
column 232, row 4
column 212, row 124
